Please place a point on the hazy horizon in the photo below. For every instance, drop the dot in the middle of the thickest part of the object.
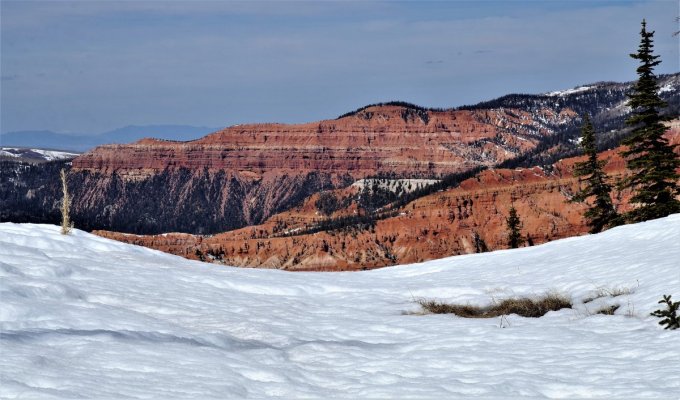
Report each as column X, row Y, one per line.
column 85, row 67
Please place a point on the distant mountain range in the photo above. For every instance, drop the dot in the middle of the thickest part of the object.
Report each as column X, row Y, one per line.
column 249, row 175
column 83, row 142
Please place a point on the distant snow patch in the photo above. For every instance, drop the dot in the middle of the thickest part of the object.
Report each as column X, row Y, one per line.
column 570, row 91
column 667, row 88
column 47, row 155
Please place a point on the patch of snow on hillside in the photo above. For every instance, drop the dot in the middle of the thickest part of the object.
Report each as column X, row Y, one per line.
column 569, row 91
column 667, row 88
column 4, row 152
column 407, row 185
column 51, row 155
column 83, row 316
column 47, row 155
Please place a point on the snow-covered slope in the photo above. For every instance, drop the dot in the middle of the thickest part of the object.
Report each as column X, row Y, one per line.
column 83, row 316
column 26, row 154
column 578, row 89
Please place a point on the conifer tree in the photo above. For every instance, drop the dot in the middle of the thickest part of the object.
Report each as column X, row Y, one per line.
column 649, row 155
column 530, row 241
column 601, row 213
column 480, row 244
column 670, row 315
column 514, row 225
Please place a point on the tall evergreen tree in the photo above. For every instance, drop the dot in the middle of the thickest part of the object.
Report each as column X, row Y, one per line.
column 649, row 155
column 601, row 213
column 514, row 225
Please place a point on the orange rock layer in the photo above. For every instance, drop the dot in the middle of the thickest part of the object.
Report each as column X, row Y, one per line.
column 447, row 223
column 435, row 226
column 391, row 139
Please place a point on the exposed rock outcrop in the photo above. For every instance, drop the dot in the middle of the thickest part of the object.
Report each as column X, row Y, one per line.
column 463, row 220
column 244, row 174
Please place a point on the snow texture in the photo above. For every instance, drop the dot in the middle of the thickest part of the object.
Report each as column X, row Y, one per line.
column 669, row 87
column 86, row 317
column 569, row 91
column 47, row 155
column 408, row 185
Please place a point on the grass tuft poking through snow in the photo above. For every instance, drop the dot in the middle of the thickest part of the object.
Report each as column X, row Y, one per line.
column 609, row 292
column 524, row 307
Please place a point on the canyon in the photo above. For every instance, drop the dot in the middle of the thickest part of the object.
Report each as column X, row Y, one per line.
column 245, row 174
column 467, row 219
column 256, row 175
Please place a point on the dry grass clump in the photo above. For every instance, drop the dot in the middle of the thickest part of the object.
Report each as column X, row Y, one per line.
column 524, row 306
column 608, row 310
column 607, row 292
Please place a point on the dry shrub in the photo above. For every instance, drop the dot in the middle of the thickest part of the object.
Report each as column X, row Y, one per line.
column 525, row 307
column 435, row 307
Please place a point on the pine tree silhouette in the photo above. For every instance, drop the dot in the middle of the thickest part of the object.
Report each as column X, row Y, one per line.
column 601, row 213
column 649, row 155
column 670, row 315
column 514, row 225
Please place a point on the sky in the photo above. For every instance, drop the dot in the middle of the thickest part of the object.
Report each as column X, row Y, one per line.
column 93, row 66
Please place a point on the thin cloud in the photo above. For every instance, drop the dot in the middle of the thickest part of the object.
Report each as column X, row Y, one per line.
column 94, row 71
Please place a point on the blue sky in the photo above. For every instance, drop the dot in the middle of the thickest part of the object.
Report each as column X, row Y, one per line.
column 91, row 66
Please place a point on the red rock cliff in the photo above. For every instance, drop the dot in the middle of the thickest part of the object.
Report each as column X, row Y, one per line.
column 390, row 139
column 439, row 225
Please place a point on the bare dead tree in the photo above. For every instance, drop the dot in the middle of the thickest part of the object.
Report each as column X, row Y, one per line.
column 66, row 224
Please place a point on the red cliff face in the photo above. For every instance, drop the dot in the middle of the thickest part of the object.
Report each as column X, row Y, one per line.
column 434, row 226
column 447, row 223
column 377, row 139
column 244, row 174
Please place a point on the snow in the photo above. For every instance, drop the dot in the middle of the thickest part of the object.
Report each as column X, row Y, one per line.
column 8, row 153
column 47, row 155
column 669, row 87
column 569, row 91
column 50, row 155
column 86, row 317
column 392, row 184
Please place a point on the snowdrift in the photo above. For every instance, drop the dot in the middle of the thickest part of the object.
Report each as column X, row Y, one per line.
column 83, row 316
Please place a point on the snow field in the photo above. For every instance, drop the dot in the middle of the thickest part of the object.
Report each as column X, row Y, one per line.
column 83, row 316
column 47, row 155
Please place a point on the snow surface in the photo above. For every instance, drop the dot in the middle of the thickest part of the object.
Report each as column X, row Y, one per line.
column 391, row 184
column 669, row 87
column 569, row 91
column 82, row 316
column 47, row 155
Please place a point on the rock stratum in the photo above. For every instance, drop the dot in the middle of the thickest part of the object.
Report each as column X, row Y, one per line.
column 379, row 139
